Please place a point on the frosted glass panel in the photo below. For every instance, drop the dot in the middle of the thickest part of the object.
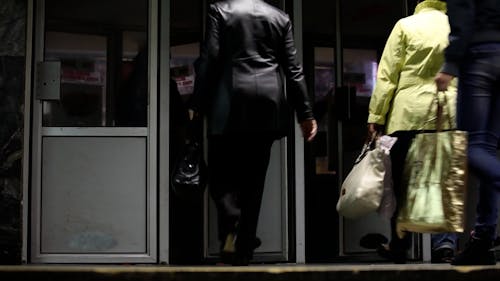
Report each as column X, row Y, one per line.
column 94, row 195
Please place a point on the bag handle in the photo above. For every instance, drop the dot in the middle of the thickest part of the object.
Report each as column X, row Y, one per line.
column 366, row 147
column 439, row 112
column 439, row 121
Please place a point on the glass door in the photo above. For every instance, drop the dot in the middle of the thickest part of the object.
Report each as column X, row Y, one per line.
column 343, row 41
column 94, row 132
column 187, row 234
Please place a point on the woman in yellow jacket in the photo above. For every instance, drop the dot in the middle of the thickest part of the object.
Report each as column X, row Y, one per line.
column 403, row 94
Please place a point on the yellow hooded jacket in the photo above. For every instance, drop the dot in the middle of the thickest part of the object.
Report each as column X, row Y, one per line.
column 413, row 54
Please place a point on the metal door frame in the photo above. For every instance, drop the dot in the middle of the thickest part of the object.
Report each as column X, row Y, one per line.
column 300, row 221
column 36, row 14
column 163, row 134
column 26, row 130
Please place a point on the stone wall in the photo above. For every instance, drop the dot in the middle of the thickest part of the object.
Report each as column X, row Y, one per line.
column 12, row 68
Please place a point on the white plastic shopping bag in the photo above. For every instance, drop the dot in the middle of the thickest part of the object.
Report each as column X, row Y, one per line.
column 363, row 188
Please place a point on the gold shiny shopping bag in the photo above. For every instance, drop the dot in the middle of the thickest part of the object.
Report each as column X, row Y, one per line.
column 436, row 171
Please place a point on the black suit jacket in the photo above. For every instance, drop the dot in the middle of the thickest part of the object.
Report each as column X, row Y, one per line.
column 247, row 52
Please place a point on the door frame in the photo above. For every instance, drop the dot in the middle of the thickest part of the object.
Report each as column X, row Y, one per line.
column 32, row 253
column 163, row 132
column 28, row 82
column 299, row 155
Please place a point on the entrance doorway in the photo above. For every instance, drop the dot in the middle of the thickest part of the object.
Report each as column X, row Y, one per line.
column 343, row 41
column 97, row 187
column 193, row 231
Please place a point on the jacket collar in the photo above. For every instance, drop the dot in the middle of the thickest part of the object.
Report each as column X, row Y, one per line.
column 431, row 4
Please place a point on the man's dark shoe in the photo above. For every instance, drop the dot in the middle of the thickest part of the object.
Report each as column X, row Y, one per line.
column 478, row 251
column 442, row 255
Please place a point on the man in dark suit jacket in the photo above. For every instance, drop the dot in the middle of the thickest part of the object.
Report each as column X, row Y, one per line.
column 240, row 88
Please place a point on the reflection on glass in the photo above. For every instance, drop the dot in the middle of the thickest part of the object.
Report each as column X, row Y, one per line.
column 182, row 69
column 360, row 69
column 83, row 80
column 104, row 63
column 131, row 101
column 324, row 85
column 181, row 87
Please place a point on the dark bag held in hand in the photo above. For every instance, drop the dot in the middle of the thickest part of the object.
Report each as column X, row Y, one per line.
column 189, row 176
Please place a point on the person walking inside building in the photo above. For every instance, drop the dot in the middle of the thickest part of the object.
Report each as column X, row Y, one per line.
column 400, row 102
column 239, row 87
column 474, row 56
